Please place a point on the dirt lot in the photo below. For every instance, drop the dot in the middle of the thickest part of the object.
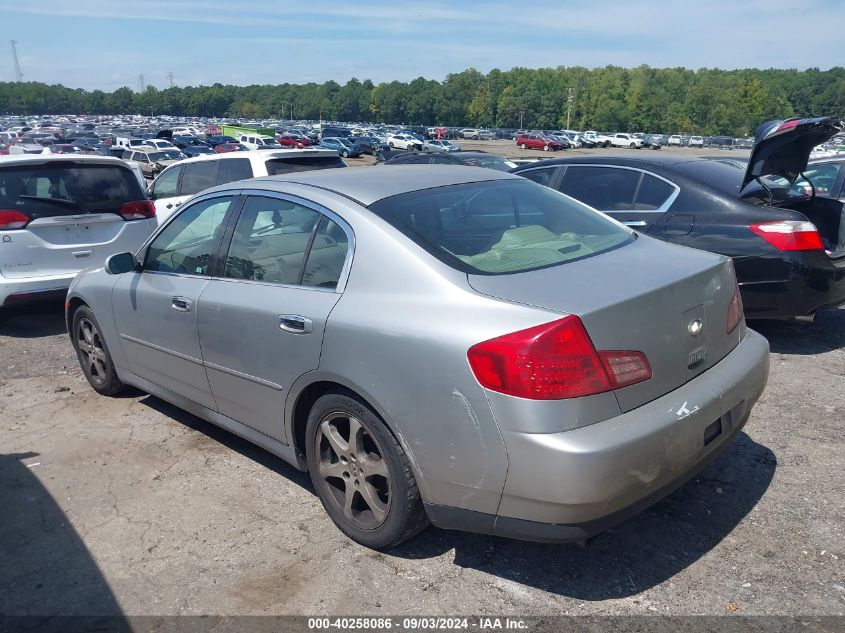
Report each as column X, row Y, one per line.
column 132, row 506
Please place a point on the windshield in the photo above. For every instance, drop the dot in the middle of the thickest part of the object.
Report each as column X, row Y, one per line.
column 490, row 162
column 501, row 227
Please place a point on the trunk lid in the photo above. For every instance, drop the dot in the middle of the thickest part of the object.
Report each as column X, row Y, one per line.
column 782, row 148
column 644, row 297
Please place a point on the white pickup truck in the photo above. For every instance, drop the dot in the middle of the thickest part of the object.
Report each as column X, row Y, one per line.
column 601, row 140
column 626, row 140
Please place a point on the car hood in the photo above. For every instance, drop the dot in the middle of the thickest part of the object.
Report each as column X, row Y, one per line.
column 782, row 148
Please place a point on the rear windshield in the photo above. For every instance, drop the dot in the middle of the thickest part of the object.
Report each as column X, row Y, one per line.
column 280, row 166
column 66, row 188
column 496, row 228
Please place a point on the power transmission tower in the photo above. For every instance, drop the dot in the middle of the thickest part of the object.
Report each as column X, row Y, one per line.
column 569, row 101
column 171, row 77
column 18, row 73
column 141, row 84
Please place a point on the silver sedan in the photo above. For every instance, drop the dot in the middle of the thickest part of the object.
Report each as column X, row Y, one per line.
column 439, row 344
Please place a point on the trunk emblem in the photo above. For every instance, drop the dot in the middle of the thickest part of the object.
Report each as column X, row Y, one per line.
column 695, row 327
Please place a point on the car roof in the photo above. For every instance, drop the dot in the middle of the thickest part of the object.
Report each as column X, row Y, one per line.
column 368, row 185
column 263, row 154
column 659, row 160
column 13, row 159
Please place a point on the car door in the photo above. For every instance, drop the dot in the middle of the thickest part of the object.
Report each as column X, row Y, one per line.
column 261, row 320
column 632, row 196
column 155, row 307
column 165, row 192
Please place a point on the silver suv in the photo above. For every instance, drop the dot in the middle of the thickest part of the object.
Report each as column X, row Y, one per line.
column 59, row 215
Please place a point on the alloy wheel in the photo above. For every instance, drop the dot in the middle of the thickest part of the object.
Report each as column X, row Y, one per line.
column 352, row 470
column 91, row 351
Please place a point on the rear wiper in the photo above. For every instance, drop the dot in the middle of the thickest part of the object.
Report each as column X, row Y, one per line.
column 58, row 201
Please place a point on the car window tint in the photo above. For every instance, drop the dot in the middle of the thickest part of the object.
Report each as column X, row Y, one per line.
column 541, row 176
column 327, row 255
column 199, row 176
column 270, row 241
column 823, row 178
column 167, row 184
column 233, row 169
column 653, row 193
column 603, row 188
column 187, row 244
column 279, row 166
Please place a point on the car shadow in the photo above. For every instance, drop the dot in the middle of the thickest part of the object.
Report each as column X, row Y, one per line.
column 645, row 551
column 33, row 321
column 825, row 334
column 230, row 440
column 47, row 570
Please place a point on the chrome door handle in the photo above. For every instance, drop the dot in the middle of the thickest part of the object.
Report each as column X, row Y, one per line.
column 181, row 304
column 635, row 223
column 295, row 324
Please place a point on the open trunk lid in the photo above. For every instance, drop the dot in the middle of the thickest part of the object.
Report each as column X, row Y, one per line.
column 782, row 148
column 669, row 302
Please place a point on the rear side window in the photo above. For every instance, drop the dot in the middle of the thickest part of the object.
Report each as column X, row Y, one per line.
column 199, row 176
column 281, row 166
column 603, row 188
column 500, row 227
column 233, row 169
column 67, row 188
column 540, row 176
column 653, row 193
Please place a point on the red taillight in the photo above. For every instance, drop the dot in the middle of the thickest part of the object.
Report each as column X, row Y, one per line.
column 553, row 361
column 735, row 310
column 11, row 219
column 790, row 235
column 138, row 210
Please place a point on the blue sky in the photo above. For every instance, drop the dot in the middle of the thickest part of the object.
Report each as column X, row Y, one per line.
column 106, row 44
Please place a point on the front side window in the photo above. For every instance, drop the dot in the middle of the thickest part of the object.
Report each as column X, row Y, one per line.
column 188, row 244
column 270, row 241
column 540, row 176
column 500, row 227
column 166, row 185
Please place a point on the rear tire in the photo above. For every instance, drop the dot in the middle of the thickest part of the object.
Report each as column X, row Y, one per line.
column 361, row 474
column 524, row 146
column 93, row 353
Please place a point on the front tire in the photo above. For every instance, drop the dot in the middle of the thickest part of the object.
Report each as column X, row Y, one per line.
column 345, row 154
column 93, row 354
column 524, row 146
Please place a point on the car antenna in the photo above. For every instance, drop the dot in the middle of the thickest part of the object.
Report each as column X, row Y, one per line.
column 767, row 190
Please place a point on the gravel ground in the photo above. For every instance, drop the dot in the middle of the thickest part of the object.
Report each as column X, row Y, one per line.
column 131, row 506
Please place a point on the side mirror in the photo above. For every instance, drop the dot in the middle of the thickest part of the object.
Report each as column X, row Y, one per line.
column 120, row 263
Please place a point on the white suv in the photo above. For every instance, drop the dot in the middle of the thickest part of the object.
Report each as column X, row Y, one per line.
column 59, row 215
column 180, row 181
column 696, row 141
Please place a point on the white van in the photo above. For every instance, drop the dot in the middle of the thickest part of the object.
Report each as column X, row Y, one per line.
column 181, row 180
column 258, row 141
column 128, row 143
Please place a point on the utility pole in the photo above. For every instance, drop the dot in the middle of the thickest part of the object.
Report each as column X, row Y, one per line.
column 170, row 78
column 569, row 101
column 520, row 119
column 141, row 85
column 18, row 73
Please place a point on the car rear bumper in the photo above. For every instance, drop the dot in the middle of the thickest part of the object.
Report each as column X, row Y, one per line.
column 14, row 292
column 573, row 484
column 803, row 284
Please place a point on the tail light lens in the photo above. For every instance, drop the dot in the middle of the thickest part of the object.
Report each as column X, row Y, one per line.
column 12, row 219
column 138, row 210
column 790, row 235
column 553, row 361
column 735, row 310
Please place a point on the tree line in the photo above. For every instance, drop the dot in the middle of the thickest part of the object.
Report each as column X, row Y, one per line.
column 641, row 99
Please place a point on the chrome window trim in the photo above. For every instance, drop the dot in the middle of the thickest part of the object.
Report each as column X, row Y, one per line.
column 667, row 204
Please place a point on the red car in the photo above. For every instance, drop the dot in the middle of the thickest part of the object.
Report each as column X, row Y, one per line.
column 537, row 141
column 229, row 147
column 291, row 140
